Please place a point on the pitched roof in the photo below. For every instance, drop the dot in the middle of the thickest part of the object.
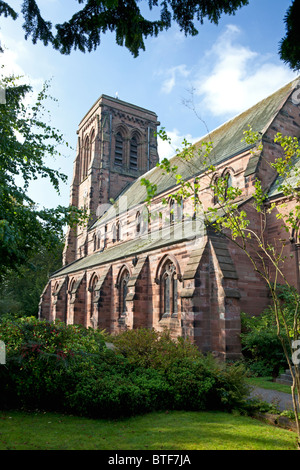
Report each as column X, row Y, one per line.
column 227, row 142
column 290, row 180
column 187, row 231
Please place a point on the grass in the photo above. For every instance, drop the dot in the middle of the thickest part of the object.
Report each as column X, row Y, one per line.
column 173, row 430
column 267, row 383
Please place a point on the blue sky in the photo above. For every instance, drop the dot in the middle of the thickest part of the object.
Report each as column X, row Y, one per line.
column 229, row 67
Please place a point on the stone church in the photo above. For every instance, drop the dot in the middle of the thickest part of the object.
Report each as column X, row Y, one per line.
column 157, row 265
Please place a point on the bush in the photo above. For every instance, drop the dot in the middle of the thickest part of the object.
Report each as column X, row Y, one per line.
column 68, row 368
column 29, row 333
column 124, row 389
column 261, row 346
column 37, row 355
column 115, row 394
column 149, row 348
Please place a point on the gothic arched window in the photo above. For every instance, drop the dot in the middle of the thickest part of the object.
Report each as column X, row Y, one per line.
column 119, row 149
column 228, row 182
column 86, row 156
column 145, row 220
column 70, row 290
column 113, row 233
column 172, row 211
column 92, row 142
column 105, row 237
column 92, row 290
column 180, row 213
column 214, row 186
column 169, row 295
column 138, row 222
column 123, row 289
column 118, row 231
column 221, row 185
column 98, row 240
column 133, row 155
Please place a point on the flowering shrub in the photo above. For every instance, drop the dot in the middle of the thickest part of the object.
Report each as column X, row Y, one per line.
column 37, row 352
column 54, row 366
column 28, row 334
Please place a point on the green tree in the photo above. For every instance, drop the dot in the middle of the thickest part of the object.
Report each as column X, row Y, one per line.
column 20, row 289
column 25, row 142
column 289, row 49
column 83, row 30
column 231, row 220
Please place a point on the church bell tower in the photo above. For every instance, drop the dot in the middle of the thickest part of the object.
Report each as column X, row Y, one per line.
column 116, row 144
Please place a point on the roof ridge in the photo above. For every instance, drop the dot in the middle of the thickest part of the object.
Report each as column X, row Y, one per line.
column 228, row 143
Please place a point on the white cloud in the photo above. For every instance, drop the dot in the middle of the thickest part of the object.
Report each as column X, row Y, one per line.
column 168, row 150
column 172, row 75
column 9, row 59
column 238, row 77
column 14, row 51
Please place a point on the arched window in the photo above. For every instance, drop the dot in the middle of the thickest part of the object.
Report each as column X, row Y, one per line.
column 138, row 222
column 86, row 156
column 105, row 237
column 160, row 221
column 118, row 231
column 123, row 289
column 133, row 155
column 113, row 231
column 71, row 286
column 221, row 185
column 145, row 220
column 56, row 285
column 169, row 295
column 214, row 186
column 180, row 214
column 228, row 182
column 94, row 242
column 171, row 211
column 98, row 240
column 119, row 149
column 92, row 142
column 92, row 290
column 166, row 285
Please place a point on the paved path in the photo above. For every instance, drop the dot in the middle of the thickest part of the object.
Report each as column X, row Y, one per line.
column 283, row 401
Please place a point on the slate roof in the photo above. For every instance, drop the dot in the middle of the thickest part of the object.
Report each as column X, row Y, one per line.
column 189, row 230
column 227, row 140
column 291, row 179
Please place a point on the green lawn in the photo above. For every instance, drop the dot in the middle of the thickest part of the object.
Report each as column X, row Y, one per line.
column 267, row 383
column 155, row 431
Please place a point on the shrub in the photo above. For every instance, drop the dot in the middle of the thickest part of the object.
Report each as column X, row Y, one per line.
column 114, row 394
column 64, row 368
column 208, row 384
column 50, row 338
column 123, row 389
column 150, row 348
column 37, row 354
column 261, row 346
